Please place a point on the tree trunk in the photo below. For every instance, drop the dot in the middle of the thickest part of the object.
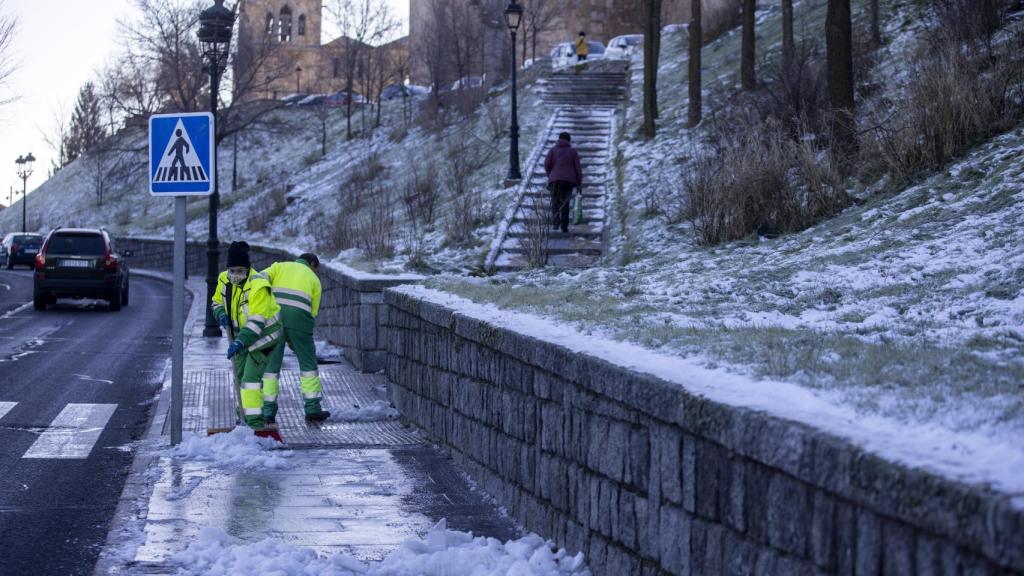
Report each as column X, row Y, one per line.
column 748, row 51
column 650, row 67
column 696, row 44
column 876, row 29
column 788, row 42
column 656, row 32
column 839, row 44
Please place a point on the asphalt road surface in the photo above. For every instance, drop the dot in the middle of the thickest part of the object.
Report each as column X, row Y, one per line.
column 77, row 383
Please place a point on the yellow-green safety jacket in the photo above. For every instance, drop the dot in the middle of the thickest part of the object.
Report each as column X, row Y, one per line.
column 297, row 290
column 253, row 312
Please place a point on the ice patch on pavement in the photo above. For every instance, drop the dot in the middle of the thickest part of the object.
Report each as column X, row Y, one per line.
column 378, row 410
column 441, row 552
column 238, row 449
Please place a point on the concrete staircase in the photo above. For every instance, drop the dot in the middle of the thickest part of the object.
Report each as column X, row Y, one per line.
column 585, row 101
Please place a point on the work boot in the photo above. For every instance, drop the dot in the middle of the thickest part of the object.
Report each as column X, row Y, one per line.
column 255, row 422
column 270, row 411
column 318, row 416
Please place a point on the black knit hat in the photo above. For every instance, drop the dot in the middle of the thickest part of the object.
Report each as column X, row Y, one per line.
column 238, row 255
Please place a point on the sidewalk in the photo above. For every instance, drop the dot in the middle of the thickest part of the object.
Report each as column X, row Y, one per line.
column 355, row 487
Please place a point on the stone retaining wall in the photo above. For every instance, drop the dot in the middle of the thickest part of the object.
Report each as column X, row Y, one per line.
column 352, row 306
column 647, row 478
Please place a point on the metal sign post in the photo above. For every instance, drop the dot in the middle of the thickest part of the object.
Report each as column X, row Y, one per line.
column 181, row 164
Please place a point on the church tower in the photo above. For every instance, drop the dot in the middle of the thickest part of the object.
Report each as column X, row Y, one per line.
column 297, row 22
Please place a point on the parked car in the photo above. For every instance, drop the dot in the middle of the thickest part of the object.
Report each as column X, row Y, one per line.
column 468, row 82
column 623, row 47
column 312, row 100
column 18, row 248
column 341, row 98
column 80, row 263
column 395, row 91
column 564, row 54
column 292, row 99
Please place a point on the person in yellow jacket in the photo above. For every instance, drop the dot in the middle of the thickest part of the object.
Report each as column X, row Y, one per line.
column 244, row 300
column 297, row 289
column 582, row 48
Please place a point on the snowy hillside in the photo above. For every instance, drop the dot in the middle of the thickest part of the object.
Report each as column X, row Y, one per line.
column 908, row 304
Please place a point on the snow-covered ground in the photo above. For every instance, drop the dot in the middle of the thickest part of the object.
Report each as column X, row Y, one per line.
column 908, row 306
column 441, row 552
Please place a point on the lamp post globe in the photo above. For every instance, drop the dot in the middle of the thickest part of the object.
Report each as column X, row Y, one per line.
column 513, row 18
column 216, row 24
column 25, row 168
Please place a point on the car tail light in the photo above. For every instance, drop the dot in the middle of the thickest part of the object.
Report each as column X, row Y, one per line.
column 40, row 261
column 110, row 263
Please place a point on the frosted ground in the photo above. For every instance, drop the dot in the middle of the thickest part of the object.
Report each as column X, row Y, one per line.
column 908, row 305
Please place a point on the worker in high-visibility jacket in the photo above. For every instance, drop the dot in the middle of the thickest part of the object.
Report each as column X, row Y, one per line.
column 255, row 319
column 297, row 290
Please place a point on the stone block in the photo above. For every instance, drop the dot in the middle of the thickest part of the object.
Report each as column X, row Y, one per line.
column 788, row 515
column 674, row 536
column 823, row 531
column 738, row 555
column 638, row 458
column 756, row 491
column 736, row 501
column 689, row 474
column 869, row 544
column 710, row 462
column 898, row 553
column 669, row 445
column 627, row 519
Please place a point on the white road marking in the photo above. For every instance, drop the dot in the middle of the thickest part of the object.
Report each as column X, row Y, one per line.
column 91, row 379
column 5, row 286
column 17, row 310
column 73, row 433
column 6, row 407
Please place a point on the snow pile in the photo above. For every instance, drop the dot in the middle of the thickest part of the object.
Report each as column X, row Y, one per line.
column 376, row 411
column 441, row 552
column 238, row 449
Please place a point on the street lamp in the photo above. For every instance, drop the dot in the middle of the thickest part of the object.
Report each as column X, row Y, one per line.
column 215, row 25
column 298, row 77
column 25, row 164
column 513, row 17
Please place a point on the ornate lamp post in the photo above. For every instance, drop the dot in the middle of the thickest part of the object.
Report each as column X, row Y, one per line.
column 215, row 25
column 25, row 164
column 513, row 17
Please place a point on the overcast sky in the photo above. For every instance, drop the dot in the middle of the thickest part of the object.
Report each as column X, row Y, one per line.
column 59, row 45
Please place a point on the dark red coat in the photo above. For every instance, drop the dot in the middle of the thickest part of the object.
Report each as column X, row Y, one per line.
column 563, row 164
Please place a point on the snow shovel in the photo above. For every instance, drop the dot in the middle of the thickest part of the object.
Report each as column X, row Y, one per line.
column 265, row 432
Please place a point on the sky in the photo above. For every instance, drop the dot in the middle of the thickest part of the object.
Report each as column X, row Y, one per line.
column 58, row 46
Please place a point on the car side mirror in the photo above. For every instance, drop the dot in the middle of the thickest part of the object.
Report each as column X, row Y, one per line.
column 127, row 253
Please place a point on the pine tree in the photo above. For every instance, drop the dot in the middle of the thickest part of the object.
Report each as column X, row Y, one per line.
column 87, row 130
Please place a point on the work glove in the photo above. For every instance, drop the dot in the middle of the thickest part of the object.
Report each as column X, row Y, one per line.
column 235, row 348
column 223, row 319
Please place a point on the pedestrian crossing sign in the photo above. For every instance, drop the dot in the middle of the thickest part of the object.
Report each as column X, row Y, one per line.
column 181, row 158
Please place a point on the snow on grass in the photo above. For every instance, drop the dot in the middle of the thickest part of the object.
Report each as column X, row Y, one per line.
column 969, row 456
column 378, row 410
column 239, row 449
column 441, row 552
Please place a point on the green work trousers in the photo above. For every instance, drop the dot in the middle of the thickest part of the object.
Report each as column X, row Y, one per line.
column 250, row 368
column 309, row 376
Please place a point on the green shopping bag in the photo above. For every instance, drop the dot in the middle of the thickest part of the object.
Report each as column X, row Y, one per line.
column 577, row 207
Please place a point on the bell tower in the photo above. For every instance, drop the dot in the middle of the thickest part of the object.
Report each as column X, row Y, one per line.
column 296, row 22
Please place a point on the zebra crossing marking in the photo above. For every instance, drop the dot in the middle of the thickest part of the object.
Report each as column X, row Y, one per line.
column 6, row 407
column 73, row 433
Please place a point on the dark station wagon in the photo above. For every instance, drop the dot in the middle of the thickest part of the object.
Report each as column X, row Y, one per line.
column 80, row 263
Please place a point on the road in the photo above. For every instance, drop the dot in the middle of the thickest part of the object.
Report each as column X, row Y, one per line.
column 77, row 383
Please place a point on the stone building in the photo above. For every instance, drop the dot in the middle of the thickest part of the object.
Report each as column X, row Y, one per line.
column 601, row 19
column 282, row 51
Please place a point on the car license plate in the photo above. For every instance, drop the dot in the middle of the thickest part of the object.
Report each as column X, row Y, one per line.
column 31, row 251
column 76, row 263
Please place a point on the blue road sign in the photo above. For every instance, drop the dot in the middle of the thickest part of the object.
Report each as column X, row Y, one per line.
column 181, row 160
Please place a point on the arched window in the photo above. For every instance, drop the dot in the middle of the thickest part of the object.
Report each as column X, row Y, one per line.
column 302, row 25
column 286, row 24
column 270, row 23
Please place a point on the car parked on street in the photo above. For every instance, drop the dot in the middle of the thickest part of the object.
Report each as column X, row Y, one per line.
column 623, row 47
column 396, row 91
column 80, row 263
column 341, row 98
column 20, row 249
column 564, row 54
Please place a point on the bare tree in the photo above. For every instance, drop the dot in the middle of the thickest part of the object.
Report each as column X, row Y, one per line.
column 540, row 16
column 164, row 35
column 652, row 30
column 874, row 23
column 839, row 44
column 748, row 50
column 363, row 24
column 788, row 41
column 8, row 27
column 57, row 138
column 696, row 44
